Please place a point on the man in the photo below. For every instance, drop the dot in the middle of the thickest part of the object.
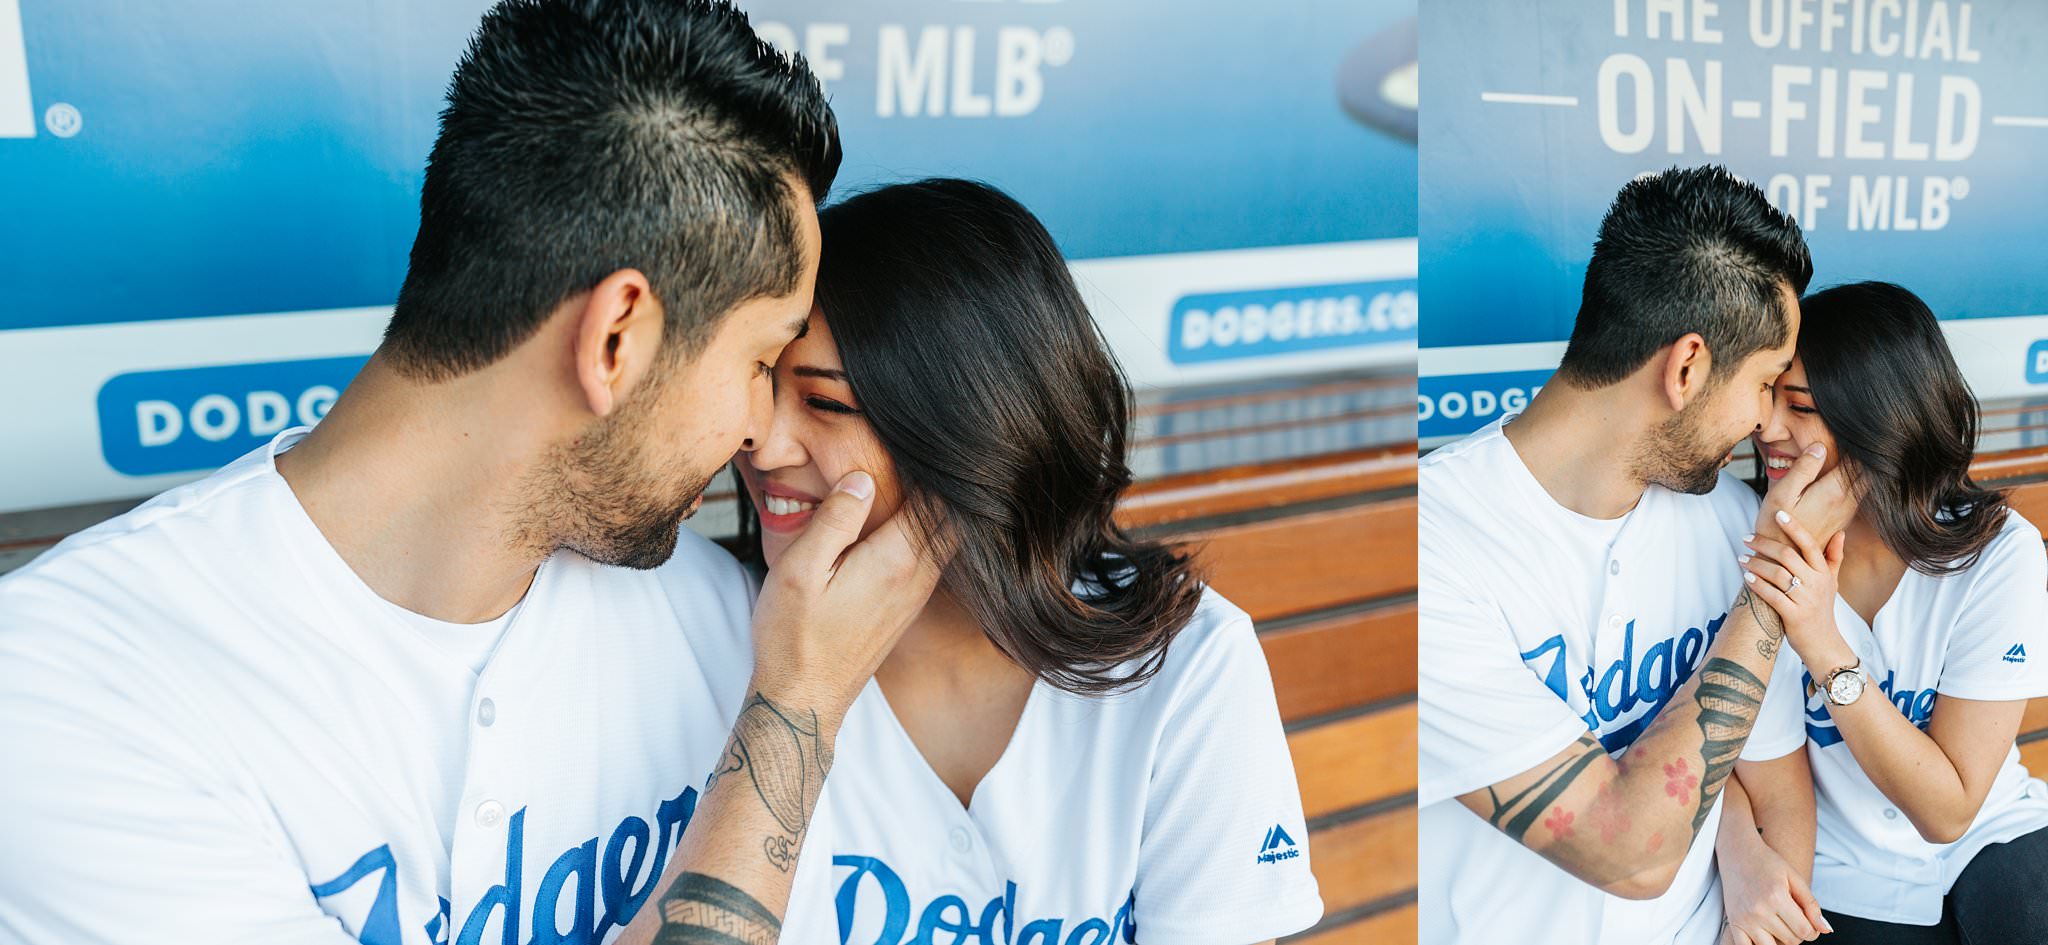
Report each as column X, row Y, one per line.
column 443, row 669
column 1592, row 667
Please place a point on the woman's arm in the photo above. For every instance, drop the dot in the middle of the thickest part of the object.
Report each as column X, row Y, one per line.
column 1765, row 852
column 1938, row 778
column 1778, row 795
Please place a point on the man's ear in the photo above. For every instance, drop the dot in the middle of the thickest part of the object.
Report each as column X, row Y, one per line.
column 1687, row 365
column 617, row 335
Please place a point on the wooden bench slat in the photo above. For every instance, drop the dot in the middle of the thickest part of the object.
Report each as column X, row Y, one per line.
column 1364, row 860
column 2034, row 755
column 1312, row 561
column 2036, row 718
column 1355, row 761
column 1344, row 661
column 1266, row 485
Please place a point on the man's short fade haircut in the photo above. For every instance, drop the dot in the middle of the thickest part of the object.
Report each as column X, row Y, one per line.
column 582, row 137
column 1682, row 251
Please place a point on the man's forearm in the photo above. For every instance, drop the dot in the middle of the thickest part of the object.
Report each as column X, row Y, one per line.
column 729, row 881
column 1622, row 820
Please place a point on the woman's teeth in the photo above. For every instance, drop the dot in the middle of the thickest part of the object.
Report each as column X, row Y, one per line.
column 778, row 505
column 1778, row 462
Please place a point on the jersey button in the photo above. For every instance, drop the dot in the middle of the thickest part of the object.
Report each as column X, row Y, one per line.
column 1614, row 567
column 961, row 841
column 486, row 713
column 489, row 813
column 1614, row 622
column 1891, row 813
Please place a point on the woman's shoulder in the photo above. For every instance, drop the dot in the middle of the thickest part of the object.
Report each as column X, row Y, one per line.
column 2018, row 543
column 1217, row 648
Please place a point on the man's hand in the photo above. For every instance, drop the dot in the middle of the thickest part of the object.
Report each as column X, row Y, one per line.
column 836, row 603
column 831, row 609
column 1824, row 504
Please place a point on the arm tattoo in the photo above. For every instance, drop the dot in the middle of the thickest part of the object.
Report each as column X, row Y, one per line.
column 1728, row 697
column 1516, row 814
column 706, row 910
column 786, row 761
column 1767, row 620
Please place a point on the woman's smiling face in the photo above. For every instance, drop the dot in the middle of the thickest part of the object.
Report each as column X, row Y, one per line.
column 817, row 435
column 1793, row 425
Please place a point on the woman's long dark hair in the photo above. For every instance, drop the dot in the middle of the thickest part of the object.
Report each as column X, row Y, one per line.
column 984, row 377
column 1903, row 419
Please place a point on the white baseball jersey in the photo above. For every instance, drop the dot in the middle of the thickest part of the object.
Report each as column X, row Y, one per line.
column 1537, row 625
column 1972, row 634
column 215, row 732
column 1166, row 813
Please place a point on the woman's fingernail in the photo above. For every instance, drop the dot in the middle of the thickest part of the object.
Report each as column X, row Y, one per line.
column 1741, row 559
column 1784, row 517
column 1817, row 450
column 1749, row 576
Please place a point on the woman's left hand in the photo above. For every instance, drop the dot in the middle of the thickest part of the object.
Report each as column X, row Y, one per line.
column 1798, row 581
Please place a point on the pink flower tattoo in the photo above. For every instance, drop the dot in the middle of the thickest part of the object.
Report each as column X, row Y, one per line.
column 1680, row 782
column 1560, row 822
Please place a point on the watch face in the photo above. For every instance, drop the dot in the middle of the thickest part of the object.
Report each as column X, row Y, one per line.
column 1845, row 688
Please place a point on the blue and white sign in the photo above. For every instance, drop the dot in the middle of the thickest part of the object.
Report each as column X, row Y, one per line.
column 205, row 184
column 1904, row 135
column 198, row 418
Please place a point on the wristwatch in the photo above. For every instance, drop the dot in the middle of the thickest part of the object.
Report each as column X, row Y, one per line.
column 1843, row 686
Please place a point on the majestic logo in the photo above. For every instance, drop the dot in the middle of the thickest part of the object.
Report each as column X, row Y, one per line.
column 1277, row 846
column 2018, row 653
column 17, row 114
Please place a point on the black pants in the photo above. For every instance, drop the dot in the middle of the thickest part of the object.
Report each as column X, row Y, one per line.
column 2001, row 898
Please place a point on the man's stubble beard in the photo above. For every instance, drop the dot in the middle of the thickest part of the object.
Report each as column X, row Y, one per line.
column 599, row 498
column 1678, row 456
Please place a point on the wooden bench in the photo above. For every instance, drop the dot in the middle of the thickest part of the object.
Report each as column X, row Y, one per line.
column 2012, row 454
column 1320, row 550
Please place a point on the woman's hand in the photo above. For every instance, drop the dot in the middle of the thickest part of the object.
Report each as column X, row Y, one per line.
column 1798, row 581
column 1765, row 901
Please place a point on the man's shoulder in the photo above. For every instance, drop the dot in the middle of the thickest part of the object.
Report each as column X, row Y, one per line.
column 169, row 541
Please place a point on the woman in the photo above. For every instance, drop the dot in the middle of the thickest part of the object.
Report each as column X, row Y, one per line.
column 1075, row 742
column 1912, row 631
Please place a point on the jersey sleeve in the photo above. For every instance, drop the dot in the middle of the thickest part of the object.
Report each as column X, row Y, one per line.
column 114, row 837
column 1780, row 727
column 1224, row 858
column 1483, row 714
column 1999, row 649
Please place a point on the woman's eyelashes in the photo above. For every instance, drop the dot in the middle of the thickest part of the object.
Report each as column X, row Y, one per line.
column 828, row 405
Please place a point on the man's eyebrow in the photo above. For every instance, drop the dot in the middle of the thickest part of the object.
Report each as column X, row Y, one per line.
column 805, row 370
column 799, row 328
column 1799, row 390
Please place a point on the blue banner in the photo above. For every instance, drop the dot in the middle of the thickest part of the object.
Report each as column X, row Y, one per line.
column 213, row 183
column 1905, row 136
column 218, row 158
